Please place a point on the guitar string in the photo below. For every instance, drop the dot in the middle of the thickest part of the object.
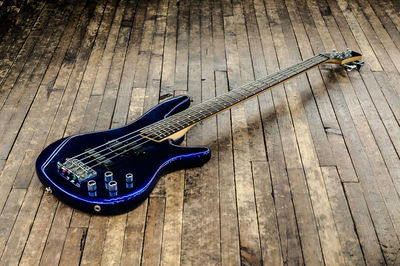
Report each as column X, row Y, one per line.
column 305, row 63
column 137, row 144
column 260, row 81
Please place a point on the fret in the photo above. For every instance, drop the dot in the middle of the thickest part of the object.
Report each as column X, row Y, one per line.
column 211, row 105
column 225, row 96
column 238, row 92
column 251, row 87
column 164, row 130
column 221, row 106
column 229, row 94
column 206, row 111
column 191, row 118
column 224, row 102
column 173, row 125
column 248, row 92
column 199, row 113
column 156, row 127
column 186, row 118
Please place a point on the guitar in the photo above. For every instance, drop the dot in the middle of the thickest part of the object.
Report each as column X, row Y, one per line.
column 112, row 171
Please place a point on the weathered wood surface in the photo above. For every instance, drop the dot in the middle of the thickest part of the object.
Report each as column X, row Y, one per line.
column 308, row 173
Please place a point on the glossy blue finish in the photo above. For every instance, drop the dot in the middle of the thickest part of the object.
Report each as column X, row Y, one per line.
column 159, row 158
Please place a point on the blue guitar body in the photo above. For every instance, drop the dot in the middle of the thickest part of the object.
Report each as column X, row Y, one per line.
column 146, row 164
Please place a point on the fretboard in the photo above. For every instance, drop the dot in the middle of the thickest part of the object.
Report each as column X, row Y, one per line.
column 189, row 117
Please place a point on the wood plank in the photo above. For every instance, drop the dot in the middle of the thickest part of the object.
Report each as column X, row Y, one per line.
column 211, row 231
column 288, row 228
column 333, row 134
column 113, row 241
column 370, row 244
column 98, row 65
column 133, row 242
column 56, row 237
column 267, row 216
column 229, row 237
column 389, row 92
column 230, row 247
column 54, row 246
column 114, row 238
column 68, row 85
column 36, row 67
column 200, row 221
column 9, row 214
column 2, row 163
column 298, row 179
column 321, row 144
column 107, row 31
column 136, row 220
column 314, row 27
column 112, row 71
column 378, row 152
column 72, row 251
column 362, row 166
column 169, row 54
column 156, row 59
column 390, row 10
column 372, row 8
column 11, row 253
column 39, row 231
column 247, row 144
column 125, row 93
column 153, row 233
column 172, row 230
column 16, row 36
column 94, row 241
column 343, row 219
column 192, row 210
column 383, row 45
column 21, row 234
column 24, row 54
column 364, row 38
column 181, row 65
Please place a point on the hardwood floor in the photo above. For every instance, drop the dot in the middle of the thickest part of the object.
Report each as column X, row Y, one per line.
column 307, row 173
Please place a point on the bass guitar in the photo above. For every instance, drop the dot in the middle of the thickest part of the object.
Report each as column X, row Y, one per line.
column 112, row 171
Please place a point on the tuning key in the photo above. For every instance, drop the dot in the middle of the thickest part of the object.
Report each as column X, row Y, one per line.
column 353, row 65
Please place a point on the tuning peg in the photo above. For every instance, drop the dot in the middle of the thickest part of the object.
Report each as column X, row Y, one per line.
column 352, row 65
column 348, row 52
column 349, row 67
column 359, row 64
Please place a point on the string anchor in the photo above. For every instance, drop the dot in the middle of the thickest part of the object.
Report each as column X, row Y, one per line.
column 352, row 65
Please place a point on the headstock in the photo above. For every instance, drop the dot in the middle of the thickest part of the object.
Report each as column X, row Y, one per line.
column 348, row 59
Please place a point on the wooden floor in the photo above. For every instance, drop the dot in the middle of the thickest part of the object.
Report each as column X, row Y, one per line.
column 307, row 173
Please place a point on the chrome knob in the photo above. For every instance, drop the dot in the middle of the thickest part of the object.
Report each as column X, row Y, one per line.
column 92, row 187
column 129, row 180
column 113, row 188
column 108, row 176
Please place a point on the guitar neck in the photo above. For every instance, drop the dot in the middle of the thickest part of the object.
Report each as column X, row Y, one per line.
column 177, row 125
